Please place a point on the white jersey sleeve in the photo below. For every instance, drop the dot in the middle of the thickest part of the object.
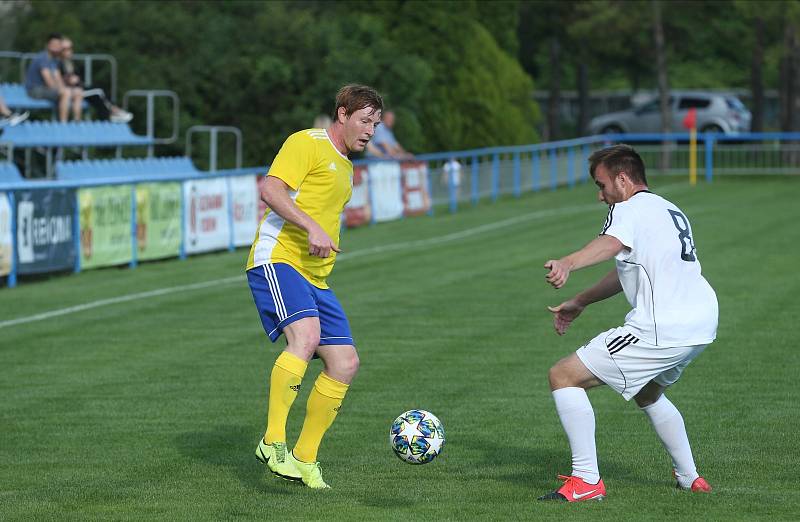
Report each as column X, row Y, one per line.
column 673, row 304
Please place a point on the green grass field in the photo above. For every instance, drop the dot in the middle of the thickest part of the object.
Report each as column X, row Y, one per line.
column 151, row 408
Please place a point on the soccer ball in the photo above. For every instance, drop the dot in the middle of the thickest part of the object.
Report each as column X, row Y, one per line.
column 417, row 436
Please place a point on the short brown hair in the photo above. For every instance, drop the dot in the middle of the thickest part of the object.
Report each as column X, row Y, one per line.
column 619, row 158
column 355, row 97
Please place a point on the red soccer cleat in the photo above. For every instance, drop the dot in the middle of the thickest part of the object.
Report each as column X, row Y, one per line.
column 576, row 490
column 700, row 486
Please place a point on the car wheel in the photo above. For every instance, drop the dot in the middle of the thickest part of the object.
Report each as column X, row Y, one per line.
column 612, row 129
column 712, row 129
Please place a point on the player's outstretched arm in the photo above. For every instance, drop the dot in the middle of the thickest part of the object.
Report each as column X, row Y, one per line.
column 568, row 311
column 275, row 194
column 598, row 250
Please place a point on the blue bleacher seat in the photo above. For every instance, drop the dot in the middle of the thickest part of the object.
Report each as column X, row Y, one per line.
column 9, row 172
column 72, row 134
column 113, row 168
column 16, row 98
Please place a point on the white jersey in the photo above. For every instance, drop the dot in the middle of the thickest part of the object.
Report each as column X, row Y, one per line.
column 673, row 304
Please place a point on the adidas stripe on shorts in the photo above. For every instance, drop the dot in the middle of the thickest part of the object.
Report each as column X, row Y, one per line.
column 626, row 363
column 283, row 296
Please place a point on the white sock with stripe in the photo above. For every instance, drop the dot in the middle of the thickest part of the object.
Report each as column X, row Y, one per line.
column 669, row 426
column 577, row 418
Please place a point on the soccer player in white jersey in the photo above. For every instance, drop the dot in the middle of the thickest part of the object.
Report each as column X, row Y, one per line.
column 674, row 318
column 306, row 189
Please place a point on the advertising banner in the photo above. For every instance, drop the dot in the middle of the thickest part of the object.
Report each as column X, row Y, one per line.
column 5, row 235
column 416, row 199
column 205, row 215
column 245, row 197
column 387, row 195
column 158, row 220
column 45, row 228
column 105, row 224
column 358, row 212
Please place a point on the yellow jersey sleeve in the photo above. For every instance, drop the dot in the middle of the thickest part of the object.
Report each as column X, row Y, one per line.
column 295, row 160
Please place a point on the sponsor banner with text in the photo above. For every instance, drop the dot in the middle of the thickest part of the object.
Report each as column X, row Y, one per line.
column 245, row 197
column 45, row 230
column 105, row 225
column 358, row 212
column 416, row 200
column 205, row 216
column 5, row 235
column 158, row 220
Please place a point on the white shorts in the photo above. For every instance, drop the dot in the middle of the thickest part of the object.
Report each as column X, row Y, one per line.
column 624, row 362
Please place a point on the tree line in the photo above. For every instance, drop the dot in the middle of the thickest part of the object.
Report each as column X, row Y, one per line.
column 458, row 74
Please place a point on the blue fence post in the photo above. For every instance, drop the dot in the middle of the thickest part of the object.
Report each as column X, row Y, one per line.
column 12, row 275
column 76, row 231
column 584, row 163
column 451, row 188
column 134, row 232
column 571, row 167
column 517, row 189
column 553, row 168
column 709, row 138
column 474, row 180
column 536, row 172
column 495, row 176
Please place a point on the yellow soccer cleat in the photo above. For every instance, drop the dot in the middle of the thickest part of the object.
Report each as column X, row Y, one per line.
column 274, row 456
column 310, row 472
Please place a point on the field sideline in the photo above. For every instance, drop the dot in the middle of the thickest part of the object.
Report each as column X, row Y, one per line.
column 150, row 408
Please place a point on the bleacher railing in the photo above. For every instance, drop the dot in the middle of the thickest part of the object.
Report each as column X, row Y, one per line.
column 74, row 225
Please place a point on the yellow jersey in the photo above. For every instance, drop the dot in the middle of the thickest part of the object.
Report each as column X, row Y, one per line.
column 321, row 182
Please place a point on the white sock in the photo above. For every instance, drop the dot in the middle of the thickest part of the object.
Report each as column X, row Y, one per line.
column 668, row 423
column 577, row 418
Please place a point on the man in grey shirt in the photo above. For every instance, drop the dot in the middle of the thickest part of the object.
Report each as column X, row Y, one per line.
column 43, row 81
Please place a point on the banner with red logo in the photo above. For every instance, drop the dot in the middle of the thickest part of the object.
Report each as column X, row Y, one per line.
column 358, row 211
column 416, row 199
column 245, row 198
column 205, row 215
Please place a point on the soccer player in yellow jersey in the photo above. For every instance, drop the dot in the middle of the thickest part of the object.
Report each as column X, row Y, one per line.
column 306, row 189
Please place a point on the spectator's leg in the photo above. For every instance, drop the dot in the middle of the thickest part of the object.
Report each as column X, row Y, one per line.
column 98, row 104
column 63, row 104
column 4, row 110
column 77, row 103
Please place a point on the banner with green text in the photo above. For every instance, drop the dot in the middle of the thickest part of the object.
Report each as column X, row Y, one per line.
column 158, row 220
column 105, row 225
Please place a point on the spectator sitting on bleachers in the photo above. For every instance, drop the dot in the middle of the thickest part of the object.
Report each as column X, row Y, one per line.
column 43, row 81
column 96, row 97
column 383, row 144
column 9, row 118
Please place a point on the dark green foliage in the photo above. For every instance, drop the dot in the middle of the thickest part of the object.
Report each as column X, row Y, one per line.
column 271, row 67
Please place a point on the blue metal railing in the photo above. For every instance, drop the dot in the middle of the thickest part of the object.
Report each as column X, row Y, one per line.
column 492, row 172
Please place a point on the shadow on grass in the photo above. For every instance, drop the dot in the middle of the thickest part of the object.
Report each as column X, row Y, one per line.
column 232, row 447
column 538, row 467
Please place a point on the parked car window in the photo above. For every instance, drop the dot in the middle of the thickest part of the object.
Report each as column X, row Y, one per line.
column 694, row 103
column 735, row 104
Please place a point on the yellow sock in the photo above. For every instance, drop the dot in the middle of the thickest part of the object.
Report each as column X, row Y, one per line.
column 284, row 383
column 323, row 405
